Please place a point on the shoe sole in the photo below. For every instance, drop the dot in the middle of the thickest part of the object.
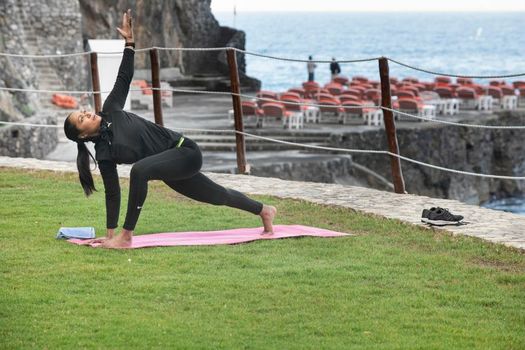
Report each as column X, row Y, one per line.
column 440, row 222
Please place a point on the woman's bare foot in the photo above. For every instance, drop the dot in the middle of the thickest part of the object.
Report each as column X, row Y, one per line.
column 267, row 214
column 118, row 242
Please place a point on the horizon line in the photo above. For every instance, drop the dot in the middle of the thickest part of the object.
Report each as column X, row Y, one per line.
column 375, row 11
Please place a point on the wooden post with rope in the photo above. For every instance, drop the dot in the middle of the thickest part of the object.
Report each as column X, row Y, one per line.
column 95, row 82
column 242, row 166
column 390, row 126
column 155, row 82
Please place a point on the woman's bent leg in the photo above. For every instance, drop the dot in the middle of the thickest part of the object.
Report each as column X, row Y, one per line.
column 173, row 164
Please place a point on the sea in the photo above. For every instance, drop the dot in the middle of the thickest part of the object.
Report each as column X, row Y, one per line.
column 455, row 43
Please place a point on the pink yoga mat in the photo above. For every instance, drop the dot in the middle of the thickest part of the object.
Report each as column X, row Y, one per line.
column 240, row 235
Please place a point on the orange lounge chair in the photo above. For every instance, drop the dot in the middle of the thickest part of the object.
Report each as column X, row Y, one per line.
column 415, row 107
column 340, row 79
column 252, row 113
column 442, row 80
column 357, row 113
column 353, row 92
column 277, row 111
column 64, row 101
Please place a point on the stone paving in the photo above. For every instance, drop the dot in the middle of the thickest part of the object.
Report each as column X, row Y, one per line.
column 491, row 225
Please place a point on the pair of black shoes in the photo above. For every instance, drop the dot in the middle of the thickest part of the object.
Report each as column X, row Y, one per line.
column 440, row 217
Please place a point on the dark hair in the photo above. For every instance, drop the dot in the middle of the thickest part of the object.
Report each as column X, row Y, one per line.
column 84, row 171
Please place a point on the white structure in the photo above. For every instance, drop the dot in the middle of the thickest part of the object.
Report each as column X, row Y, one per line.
column 109, row 54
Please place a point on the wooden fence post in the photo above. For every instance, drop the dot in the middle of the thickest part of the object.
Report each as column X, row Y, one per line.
column 95, row 82
column 390, row 126
column 155, row 82
column 242, row 167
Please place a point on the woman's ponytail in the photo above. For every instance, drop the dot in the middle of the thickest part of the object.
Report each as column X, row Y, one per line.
column 84, row 170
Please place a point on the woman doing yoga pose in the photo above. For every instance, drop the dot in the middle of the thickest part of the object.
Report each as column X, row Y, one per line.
column 158, row 153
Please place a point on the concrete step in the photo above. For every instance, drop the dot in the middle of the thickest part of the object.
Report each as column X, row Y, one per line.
column 46, row 70
column 43, row 65
column 48, row 77
column 231, row 138
column 209, row 83
column 274, row 132
column 191, row 88
column 45, row 81
column 222, row 146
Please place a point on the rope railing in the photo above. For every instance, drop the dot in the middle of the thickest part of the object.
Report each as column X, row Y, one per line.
column 204, row 49
column 441, row 121
column 223, row 93
column 236, row 96
column 368, row 59
column 86, row 53
column 324, row 148
column 307, row 104
column 501, row 76
column 30, row 124
column 306, row 61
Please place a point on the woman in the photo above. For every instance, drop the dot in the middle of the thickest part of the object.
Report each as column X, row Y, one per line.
column 158, row 154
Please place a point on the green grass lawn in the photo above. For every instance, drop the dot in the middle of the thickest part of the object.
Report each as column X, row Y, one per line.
column 391, row 286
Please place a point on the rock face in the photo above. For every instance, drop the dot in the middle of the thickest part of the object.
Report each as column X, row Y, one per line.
column 169, row 23
column 52, row 27
column 486, row 151
column 21, row 141
column 62, row 26
column 15, row 73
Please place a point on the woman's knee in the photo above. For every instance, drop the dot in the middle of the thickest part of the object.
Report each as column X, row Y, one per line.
column 139, row 172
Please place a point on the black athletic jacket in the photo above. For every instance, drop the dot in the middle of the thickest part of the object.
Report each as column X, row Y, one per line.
column 125, row 139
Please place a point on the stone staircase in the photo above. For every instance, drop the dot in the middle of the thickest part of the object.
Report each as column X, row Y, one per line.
column 211, row 142
column 46, row 77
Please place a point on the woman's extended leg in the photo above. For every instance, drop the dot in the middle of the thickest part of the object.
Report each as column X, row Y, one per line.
column 201, row 188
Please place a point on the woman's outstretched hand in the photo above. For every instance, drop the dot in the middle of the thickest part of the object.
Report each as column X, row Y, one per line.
column 126, row 29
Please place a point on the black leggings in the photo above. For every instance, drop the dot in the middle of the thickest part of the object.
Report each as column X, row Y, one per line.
column 179, row 169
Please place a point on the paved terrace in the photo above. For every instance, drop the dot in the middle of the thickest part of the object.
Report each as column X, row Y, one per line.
column 487, row 224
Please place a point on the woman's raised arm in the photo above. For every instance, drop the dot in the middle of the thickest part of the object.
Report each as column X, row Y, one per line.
column 119, row 93
column 127, row 28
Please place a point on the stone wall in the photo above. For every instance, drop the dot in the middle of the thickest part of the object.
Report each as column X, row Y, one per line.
column 476, row 150
column 15, row 72
column 29, row 142
column 337, row 169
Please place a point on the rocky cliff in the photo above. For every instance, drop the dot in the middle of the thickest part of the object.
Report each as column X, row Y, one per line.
column 63, row 26
column 169, row 23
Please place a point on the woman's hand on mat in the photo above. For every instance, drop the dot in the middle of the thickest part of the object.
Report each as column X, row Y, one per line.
column 126, row 29
column 96, row 240
column 109, row 234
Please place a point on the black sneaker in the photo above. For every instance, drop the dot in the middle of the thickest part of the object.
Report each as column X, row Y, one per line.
column 426, row 213
column 442, row 217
